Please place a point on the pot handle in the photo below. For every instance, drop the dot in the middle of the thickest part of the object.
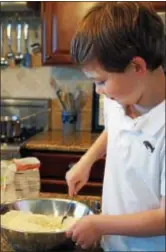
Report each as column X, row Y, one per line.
column 34, row 114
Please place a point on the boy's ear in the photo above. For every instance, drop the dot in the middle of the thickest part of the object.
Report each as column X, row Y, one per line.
column 139, row 65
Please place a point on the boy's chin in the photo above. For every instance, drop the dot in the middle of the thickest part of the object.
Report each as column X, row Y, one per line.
column 123, row 102
column 118, row 101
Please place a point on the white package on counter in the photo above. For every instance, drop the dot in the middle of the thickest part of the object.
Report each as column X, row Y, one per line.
column 17, row 183
column 27, row 183
column 8, row 192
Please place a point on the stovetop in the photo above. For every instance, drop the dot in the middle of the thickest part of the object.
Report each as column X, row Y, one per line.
column 10, row 147
column 22, row 107
column 25, row 134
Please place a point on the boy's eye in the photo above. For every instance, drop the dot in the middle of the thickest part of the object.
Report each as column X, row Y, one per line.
column 99, row 82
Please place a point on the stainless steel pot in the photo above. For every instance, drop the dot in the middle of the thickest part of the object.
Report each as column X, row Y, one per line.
column 11, row 125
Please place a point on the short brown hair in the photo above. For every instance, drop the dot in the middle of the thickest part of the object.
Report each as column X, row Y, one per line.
column 115, row 32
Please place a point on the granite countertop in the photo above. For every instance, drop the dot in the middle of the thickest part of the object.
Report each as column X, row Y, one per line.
column 56, row 140
column 5, row 246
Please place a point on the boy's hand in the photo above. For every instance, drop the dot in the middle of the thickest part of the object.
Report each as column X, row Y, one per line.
column 78, row 176
column 85, row 232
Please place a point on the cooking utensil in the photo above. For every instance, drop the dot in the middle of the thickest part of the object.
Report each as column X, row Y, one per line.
column 19, row 56
column 66, row 214
column 10, row 54
column 4, row 62
column 11, row 125
column 66, row 100
column 32, row 241
column 72, row 102
column 27, row 62
column 34, row 114
column 36, row 46
column 59, row 94
column 79, row 98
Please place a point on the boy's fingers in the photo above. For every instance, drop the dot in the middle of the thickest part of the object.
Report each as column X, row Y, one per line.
column 71, row 189
column 71, row 185
column 69, row 232
column 78, row 187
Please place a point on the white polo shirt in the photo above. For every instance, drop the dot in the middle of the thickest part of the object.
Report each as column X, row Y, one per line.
column 134, row 179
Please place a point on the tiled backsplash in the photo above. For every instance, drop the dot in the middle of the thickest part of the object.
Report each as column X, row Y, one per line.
column 35, row 83
column 28, row 83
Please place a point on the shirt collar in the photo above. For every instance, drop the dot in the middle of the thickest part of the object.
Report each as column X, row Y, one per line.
column 153, row 121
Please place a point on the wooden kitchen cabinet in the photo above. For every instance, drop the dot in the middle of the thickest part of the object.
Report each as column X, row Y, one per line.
column 60, row 20
column 159, row 5
column 54, row 166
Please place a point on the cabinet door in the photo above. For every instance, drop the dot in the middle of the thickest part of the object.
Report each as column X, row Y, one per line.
column 159, row 5
column 60, row 20
column 55, row 165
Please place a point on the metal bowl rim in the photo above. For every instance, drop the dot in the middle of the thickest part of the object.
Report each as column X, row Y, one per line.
column 49, row 199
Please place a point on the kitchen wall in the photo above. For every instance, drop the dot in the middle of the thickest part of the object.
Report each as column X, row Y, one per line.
column 35, row 83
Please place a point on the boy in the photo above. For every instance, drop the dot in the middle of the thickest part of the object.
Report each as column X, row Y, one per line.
column 120, row 46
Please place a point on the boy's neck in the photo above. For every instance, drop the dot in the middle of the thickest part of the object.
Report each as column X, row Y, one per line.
column 155, row 92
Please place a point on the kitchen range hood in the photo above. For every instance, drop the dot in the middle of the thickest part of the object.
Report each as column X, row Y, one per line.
column 18, row 6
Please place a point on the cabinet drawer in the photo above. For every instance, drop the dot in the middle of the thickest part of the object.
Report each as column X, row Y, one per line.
column 55, row 165
column 60, row 186
column 97, row 172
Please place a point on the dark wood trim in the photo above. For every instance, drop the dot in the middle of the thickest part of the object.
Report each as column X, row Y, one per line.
column 63, row 182
column 24, row 151
column 60, row 186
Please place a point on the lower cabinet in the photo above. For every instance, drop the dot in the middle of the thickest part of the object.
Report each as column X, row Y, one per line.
column 54, row 166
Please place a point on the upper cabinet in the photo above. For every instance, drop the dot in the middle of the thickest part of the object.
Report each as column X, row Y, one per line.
column 59, row 23
column 159, row 5
column 60, row 20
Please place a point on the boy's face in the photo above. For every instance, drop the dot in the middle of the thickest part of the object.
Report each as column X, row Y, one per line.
column 126, row 88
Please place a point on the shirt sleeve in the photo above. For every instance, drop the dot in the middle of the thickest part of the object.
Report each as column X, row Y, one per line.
column 162, row 178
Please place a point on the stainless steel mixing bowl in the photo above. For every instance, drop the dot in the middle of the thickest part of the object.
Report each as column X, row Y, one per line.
column 31, row 241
